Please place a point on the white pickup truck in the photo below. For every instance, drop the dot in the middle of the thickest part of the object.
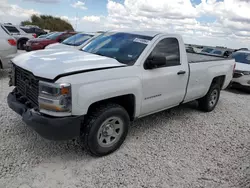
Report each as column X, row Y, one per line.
column 95, row 92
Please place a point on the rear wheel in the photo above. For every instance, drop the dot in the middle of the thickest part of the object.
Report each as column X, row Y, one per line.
column 210, row 100
column 105, row 129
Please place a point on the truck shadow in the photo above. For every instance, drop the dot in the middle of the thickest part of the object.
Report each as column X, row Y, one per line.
column 37, row 151
column 4, row 73
column 239, row 91
column 38, row 147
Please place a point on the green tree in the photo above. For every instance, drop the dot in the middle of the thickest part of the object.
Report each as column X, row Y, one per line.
column 48, row 22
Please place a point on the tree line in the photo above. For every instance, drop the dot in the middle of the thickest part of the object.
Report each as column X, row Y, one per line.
column 48, row 22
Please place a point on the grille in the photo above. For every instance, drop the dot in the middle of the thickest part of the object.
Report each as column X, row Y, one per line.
column 27, row 85
column 237, row 75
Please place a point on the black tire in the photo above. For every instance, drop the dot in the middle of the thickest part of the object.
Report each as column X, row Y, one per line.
column 94, row 122
column 20, row 44
column 205, row 103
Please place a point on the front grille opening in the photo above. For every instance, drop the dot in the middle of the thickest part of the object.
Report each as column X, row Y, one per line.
column 27, row 85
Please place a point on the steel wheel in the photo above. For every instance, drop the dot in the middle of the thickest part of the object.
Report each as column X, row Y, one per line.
column 105, row 129
column 110, row 132
column 213, row 98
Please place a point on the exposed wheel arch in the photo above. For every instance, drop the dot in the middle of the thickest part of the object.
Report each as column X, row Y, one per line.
column 218, row 80
column 126, row 101
column 21, row 42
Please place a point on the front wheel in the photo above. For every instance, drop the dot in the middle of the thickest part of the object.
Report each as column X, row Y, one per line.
column 210, row 100
column 105, row 129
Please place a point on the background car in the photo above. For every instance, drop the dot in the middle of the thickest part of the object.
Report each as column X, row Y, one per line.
column 33, row 29
column 206, row 50
column 221, row 52
column 190, row 49
column 74, row 41
column 241, row 78
column 21, row 36
column 45, row 35
column 8, row 48
column 41, row 43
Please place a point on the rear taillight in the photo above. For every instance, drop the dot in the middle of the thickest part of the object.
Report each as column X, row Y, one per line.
column 12, row 42
column 34, row 35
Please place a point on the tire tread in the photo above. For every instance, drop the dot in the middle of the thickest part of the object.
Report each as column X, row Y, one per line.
column 203, row 102
column 90, row 119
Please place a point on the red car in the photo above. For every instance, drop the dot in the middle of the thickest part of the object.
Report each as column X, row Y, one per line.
column 41, row 43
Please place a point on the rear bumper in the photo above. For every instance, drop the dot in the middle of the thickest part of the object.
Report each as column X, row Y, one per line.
column 52, row 128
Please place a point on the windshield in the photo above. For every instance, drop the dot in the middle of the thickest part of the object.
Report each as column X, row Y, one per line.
column 242, row 57
column 54, row 35
column 77, row 40
column 124, row 47
column 43, row 36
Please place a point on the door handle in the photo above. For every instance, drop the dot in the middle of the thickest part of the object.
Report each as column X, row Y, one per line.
column 181, row 72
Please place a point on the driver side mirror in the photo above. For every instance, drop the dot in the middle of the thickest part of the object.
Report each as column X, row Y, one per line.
column 155, row 62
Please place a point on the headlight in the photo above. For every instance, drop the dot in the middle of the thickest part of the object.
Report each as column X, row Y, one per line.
column 35, row 43
column 54, row 97
column 246, row 72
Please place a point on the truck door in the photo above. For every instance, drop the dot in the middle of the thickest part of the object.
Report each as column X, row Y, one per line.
column 164, row 85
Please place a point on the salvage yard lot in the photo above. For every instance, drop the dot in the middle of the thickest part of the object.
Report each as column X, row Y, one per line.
column 181, row 147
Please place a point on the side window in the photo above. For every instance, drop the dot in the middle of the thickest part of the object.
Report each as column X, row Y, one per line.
column 168, row 48
column 12, row 29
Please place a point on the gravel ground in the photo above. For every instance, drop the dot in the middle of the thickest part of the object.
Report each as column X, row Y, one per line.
column 181, row 147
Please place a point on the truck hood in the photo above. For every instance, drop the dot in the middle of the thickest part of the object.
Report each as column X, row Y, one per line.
column 52, row 63
column 242, row 67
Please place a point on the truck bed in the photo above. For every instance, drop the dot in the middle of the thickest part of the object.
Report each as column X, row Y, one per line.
column 196, row 57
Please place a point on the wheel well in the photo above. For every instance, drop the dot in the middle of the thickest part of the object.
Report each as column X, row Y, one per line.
column 22, row 39
column 126, row 101
column 219, row 80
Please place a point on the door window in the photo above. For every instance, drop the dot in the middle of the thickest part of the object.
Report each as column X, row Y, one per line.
column 168, row 48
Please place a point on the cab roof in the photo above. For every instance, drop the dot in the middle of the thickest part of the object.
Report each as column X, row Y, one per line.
column 145, row 33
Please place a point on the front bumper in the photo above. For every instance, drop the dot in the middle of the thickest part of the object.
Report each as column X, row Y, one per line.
column 51, row 128
column 240, row 86
column 243, row 80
